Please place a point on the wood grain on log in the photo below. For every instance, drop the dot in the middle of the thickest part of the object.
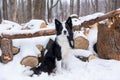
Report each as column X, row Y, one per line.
column 6, row 47
column 108, row 43
column 81, row 43
column 15, row 50
column 31, row 61
column 39, row 47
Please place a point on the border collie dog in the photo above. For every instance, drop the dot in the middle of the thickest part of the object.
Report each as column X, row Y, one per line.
column 58, row 54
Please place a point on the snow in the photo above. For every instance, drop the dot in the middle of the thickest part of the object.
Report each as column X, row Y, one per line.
column 34, row 24
column 13, row 25
column 96, row 69
column 77, row 22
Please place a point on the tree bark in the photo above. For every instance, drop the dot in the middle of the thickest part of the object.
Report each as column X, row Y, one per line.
column 78, row 7
column 108, row 43
column 13, row 10
column 6, row 47
column 71, row 6
column 43, row 9
column 29, row 10
column 36, row 11
column 0, row 17
column 5, row 12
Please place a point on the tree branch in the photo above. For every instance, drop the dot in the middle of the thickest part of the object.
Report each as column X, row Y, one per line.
column 55, row 4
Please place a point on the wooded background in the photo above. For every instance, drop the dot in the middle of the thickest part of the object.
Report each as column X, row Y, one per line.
column 22, row 11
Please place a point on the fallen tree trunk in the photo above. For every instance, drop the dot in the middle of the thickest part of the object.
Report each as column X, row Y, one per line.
column 107, row 15
column 29, row 35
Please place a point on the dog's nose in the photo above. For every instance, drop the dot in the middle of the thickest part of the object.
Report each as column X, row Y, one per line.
column 65, row 32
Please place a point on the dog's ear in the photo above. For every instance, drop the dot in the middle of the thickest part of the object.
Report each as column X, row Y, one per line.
column 69, row 22
column 58, row 26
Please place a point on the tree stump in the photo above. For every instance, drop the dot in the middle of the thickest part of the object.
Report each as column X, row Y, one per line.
column 108, row 44
column 6, row 47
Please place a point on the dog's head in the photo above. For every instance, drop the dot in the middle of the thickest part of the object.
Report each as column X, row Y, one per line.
column 65, row 30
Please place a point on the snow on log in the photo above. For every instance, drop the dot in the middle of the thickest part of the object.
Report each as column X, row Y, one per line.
column 28, row 35
column 107, row 15
column 6, row 47
column 83, row 55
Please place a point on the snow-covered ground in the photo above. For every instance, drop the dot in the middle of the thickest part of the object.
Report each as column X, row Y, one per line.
column 96, row 69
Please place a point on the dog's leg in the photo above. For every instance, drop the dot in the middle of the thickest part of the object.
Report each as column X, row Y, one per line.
column 58, row 66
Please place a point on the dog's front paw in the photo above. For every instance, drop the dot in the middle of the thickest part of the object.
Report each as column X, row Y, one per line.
column 35, row 70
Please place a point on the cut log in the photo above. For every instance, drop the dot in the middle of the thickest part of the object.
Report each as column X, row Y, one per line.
column 40, row 47
column 43, row 25
column 108, row 43
column 15, row 50
column 81, row 43
column 6, row 47
column 31, row 61
column 89, row 58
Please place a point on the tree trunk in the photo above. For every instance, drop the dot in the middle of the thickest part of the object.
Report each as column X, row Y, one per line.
column 78, row 7
column 71, row 6
column 13, row 10
column 29, row 10
column 96, row 5
column 36, row 10
column 6, row 47
column 5, row 12
column 108, row 44
column 42, row 9
column 0, row 17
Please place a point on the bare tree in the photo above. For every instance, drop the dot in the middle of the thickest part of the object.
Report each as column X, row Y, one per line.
column 78, row 7
column 71, row 6
column 36, row 7
column 42, row 9
column 13, row 9
column 0, row 16
column 50, row 6
column 29, row 10
column 20, row 11
column 96, row 5
column 5, row 12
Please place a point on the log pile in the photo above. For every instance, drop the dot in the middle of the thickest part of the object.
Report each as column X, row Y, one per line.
column 109, row 39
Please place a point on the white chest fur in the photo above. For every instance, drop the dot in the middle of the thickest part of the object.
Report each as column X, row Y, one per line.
column 65, row 47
